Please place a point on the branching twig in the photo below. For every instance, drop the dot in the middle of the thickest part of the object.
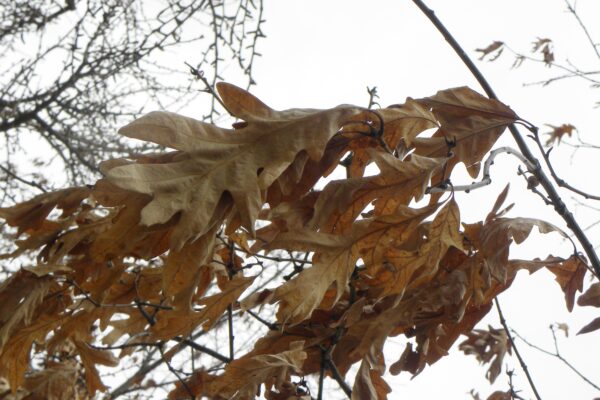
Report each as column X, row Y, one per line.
column 556, row 354
column 559, row 181
column 514, row 347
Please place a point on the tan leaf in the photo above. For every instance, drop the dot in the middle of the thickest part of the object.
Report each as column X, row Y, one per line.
column 369, row 385
column 398, row 183
column 558, row 132
column 569, row 275
column 241, row 162
column 493, row 47
column 336, row 257
column 592, row 326
column 243, row 377
column 591, row 297
column 496, row 236
column 470, row 123
column 169, row 325
column 488, row 346
column 90, row 357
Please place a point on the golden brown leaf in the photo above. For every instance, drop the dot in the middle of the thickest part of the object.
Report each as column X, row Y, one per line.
column 569, row 275
column 243, row 377
column 488, row 346
column 213, row 161
column 591, row 297
column 169, row 325
column 336, row 257
column 470, row 125
column 90, row 357
column 558, row 132
column 398, row 183
column 369, row 384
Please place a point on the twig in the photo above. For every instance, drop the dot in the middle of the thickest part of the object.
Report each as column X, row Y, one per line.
column 546, row 156
column 486, row 179
column 231, row 272
column 29, row 183
column 512, row 344
column 174, row 372
column 203, row 349
column 571, row 9
column 559, row 205
column 557, row 355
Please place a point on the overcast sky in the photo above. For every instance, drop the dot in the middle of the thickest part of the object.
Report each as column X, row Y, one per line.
column 322, row 53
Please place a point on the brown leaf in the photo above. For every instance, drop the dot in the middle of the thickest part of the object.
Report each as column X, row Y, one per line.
column 496, row 236
column 558, row 132
column 493, row 47
column 56, row 382
column 488, row 346
column 243, row 377
column 169, row 325
column 90, row 357
column 499, row 395
column 241, row 162
column 569, row 275
column 591, row 297
column 399, row 182
column 369, row 385
column 31, row 214
column 592, row 326
column 409, row 361
column 470, row 125
column 336, row 257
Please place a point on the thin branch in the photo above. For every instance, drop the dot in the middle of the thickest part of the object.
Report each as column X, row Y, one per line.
column 557, row 355
column 29, row 183
column 486, row 179
column 514, row 347
column 559, row 181
column 558, row 203
column 572, row 10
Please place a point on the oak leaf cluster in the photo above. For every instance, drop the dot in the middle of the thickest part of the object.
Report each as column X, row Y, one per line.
column 163, row 241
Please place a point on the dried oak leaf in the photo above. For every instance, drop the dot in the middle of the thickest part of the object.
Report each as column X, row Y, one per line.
column 58, row 381
column 470, row 125
column 592, row 326
column 212, row 161
column 496, row 46
column 171, row 324
column 591, row 297
column 569, row 275
column 30, row 215
column 90, row 357
column 399, row 182
column 336, row 256
column 244, row 376
column 369, row 384
column 488, row 346
column 558, row 132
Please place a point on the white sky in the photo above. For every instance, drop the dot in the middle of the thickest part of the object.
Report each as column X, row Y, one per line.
column 322, row 53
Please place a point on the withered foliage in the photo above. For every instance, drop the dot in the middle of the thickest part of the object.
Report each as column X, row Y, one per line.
column 160, row 249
